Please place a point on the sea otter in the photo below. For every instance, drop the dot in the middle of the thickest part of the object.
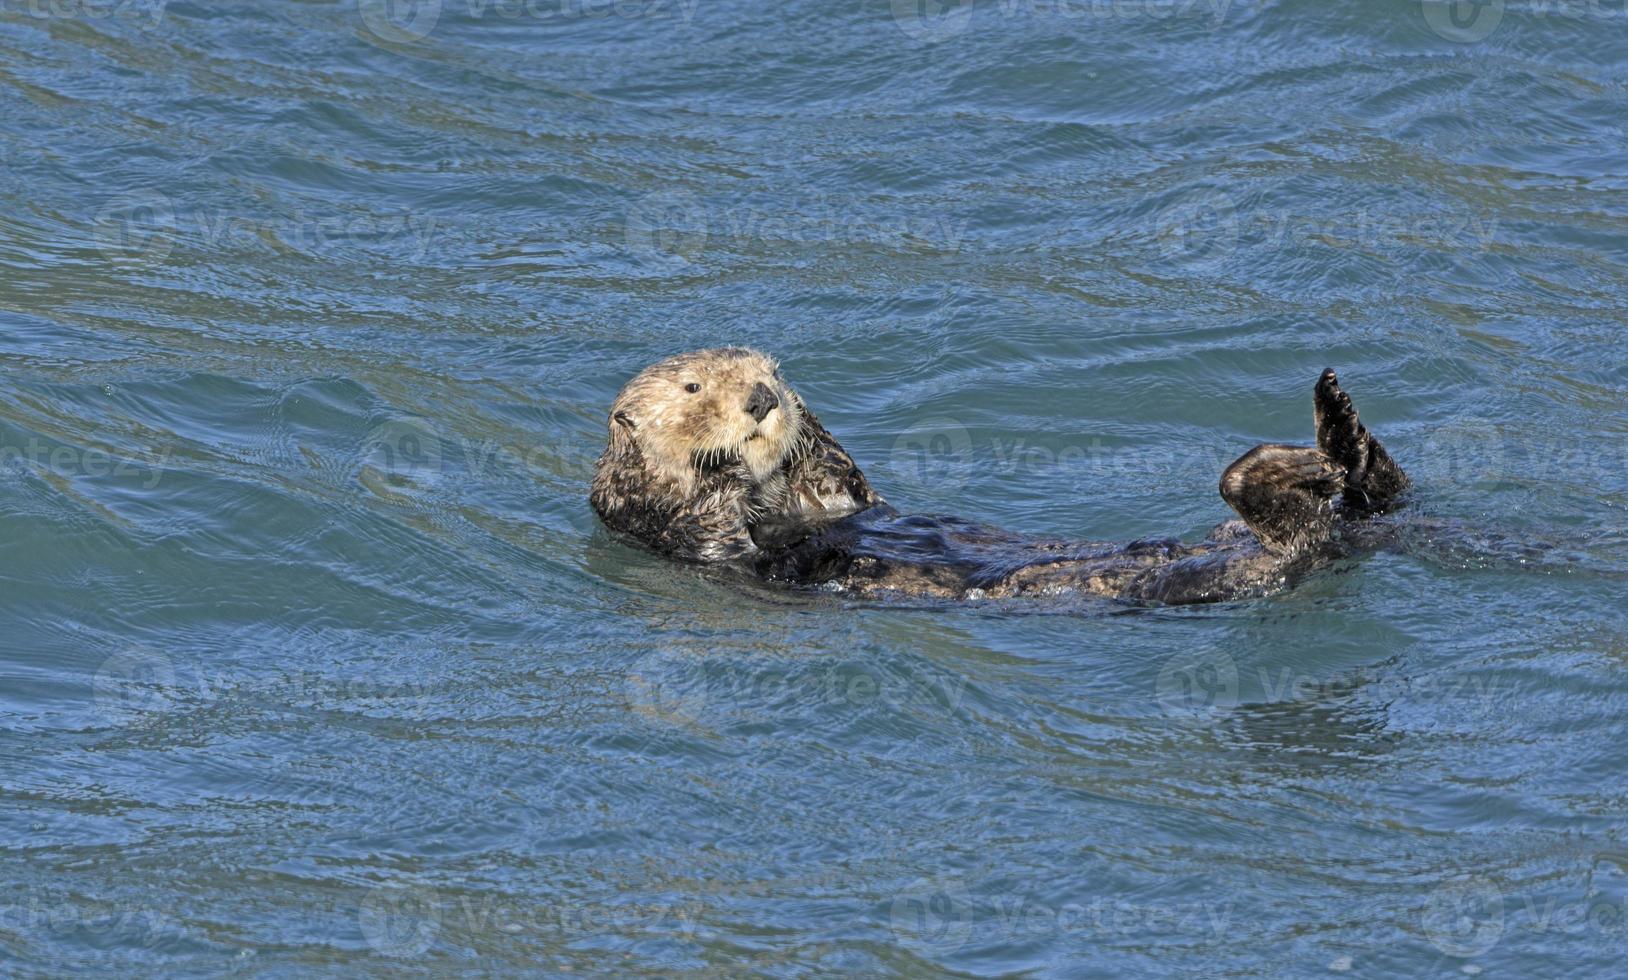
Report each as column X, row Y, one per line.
column 713, row 458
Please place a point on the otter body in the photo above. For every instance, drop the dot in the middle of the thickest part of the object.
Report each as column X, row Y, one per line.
column 713, row 458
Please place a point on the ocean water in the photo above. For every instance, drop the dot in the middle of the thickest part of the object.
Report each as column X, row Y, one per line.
column 315, row 662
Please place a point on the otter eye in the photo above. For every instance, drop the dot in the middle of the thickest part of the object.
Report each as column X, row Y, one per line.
column 692, row 387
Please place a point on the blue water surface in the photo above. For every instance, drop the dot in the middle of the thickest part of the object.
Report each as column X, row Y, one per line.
column 314, row 660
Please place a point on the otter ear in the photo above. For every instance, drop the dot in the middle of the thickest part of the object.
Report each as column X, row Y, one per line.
column 625, row 420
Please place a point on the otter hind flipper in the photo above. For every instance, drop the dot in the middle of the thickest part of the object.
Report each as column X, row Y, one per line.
column 1284, row 494
column 1373, row 480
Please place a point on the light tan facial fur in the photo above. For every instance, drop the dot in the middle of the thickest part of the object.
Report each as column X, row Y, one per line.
column 679, row 431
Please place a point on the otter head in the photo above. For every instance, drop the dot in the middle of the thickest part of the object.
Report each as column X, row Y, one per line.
column 695, row 412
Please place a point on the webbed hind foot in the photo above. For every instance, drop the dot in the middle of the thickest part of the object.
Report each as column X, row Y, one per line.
column 1373, row 481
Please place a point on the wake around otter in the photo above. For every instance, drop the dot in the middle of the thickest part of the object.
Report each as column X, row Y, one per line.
column 714, row 458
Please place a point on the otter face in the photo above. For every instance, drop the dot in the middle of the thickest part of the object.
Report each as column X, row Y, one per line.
column 708, row 408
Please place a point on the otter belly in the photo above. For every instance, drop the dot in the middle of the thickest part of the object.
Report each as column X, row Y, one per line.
column 879, row 551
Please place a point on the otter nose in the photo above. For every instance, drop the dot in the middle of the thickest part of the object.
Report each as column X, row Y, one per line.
column 761, row 401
